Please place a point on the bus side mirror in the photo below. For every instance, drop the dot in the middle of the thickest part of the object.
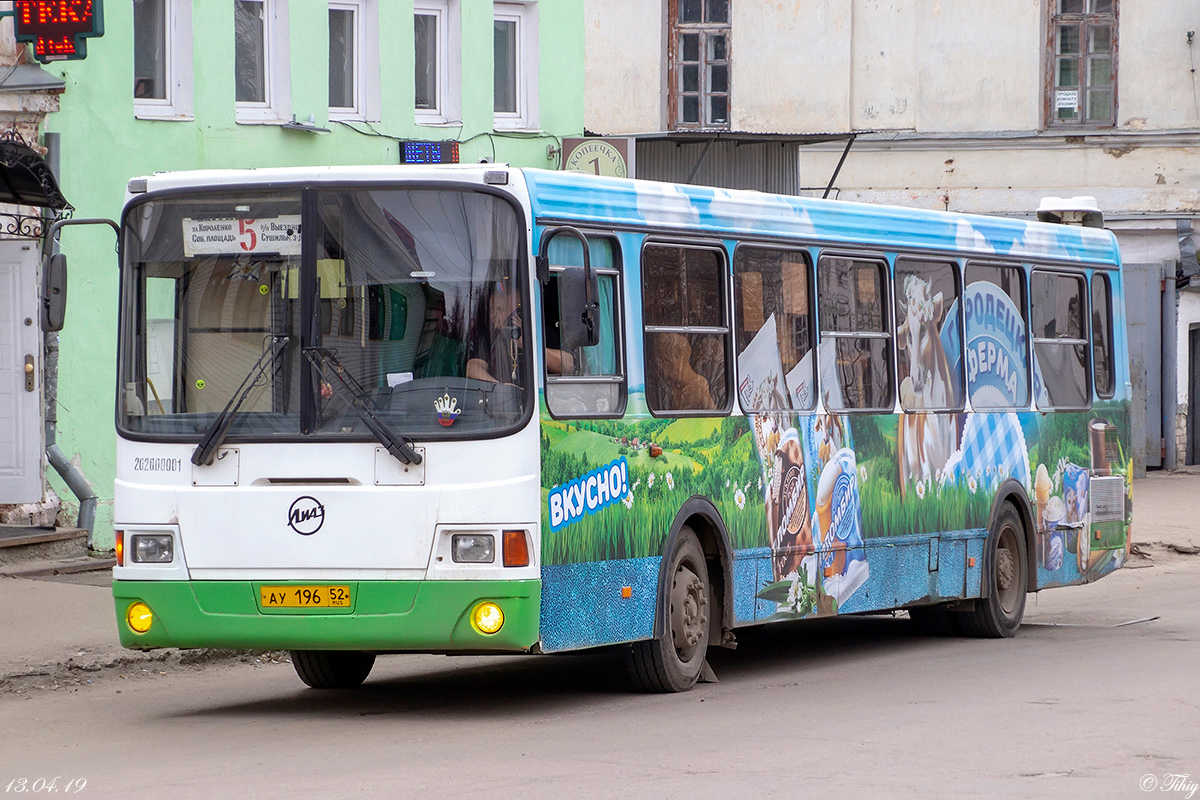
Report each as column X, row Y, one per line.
column 578, row 294
column 54, row 293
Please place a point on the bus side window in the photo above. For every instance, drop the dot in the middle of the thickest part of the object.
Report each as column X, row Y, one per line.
column 855, row 353
column 687, row 333
column 774, row 328
column 1060, row 346
column 1102, row 335
column 929, row 352
column 996, row 350
column 586, row 381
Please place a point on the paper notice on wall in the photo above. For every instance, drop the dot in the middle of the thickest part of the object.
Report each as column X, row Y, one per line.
column 1066, row 98
column 760, row 368
column 275, row 236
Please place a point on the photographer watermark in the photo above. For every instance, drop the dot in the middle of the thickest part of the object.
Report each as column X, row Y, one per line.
column 1170, row 782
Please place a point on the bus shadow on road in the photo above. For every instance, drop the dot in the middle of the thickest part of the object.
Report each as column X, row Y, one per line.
column 486, row 687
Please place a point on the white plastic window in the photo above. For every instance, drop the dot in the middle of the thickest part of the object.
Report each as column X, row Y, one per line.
column 515, row 69
column 263, row 90
column 162, row 59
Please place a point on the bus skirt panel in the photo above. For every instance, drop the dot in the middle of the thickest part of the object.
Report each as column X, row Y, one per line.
column 415, row 616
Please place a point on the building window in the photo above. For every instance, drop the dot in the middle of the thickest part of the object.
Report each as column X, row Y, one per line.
column 345, row 60
column 698, row 58
column 162, row 58
column 261, row 60
column 1083, row 80
column 435, row 60
column 686, row 328
column 514, row 51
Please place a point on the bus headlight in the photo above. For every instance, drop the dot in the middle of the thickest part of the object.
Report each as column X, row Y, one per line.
column 153, row 548
column 487, row 617
column 473, row 548
column 139, row 617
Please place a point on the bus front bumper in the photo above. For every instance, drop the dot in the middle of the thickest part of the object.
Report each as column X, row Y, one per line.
column 413, row 616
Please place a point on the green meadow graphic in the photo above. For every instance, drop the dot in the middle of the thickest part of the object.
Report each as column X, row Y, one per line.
column 710, row 457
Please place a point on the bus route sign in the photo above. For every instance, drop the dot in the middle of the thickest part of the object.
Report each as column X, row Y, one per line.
column 58, row 29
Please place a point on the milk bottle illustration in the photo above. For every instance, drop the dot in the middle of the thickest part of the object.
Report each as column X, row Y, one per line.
column 836, row 525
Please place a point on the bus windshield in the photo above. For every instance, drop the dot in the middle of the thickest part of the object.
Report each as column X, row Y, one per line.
column 413, row 296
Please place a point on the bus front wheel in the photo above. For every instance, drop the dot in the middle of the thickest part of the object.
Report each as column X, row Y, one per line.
column 332, row 669
column 673, row 661
column 998, row 613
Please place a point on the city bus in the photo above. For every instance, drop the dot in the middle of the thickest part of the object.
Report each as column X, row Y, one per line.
column 483, row 409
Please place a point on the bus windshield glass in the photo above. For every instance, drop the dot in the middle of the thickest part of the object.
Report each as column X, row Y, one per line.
column 411, row 297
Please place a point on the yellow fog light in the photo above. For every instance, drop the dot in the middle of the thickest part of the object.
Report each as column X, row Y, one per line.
column 487, row 618
column 139, row 617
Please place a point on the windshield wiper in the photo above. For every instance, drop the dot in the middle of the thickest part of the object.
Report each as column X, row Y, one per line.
column 349, row 390
column 206, row 450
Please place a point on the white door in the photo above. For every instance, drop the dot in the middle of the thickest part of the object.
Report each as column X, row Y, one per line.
column 21, row 433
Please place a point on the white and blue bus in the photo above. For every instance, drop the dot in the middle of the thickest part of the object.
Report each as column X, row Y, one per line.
column 371, row 410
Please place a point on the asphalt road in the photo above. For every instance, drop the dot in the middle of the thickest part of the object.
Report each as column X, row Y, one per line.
column 1077, row 705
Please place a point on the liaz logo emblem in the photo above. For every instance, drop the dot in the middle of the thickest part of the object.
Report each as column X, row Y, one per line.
column 447, row 409
column 306, row 516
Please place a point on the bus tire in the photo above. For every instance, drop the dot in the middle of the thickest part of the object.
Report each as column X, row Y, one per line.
column 332, row 669
column 673, row 661
column 998, row 613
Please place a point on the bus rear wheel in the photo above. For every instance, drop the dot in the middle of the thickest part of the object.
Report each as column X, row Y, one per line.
column 673, row 661
column 332, row 669
column 998, row 613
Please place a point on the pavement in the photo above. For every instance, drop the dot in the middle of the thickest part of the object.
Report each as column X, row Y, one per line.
column 58, row 630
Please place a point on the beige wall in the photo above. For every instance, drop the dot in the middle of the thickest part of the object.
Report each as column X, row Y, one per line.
column 624, row 70
column 929, row 66
column 780, row 75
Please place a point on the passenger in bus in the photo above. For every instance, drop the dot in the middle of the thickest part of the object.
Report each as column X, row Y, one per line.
column 497, row 346
column 679, row 385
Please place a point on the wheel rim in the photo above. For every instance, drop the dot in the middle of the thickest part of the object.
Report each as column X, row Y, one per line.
column 689, row 612
column 1008, row 588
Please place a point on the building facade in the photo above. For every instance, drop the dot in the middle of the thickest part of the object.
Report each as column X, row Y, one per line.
column 957, row 105
column 185, row 84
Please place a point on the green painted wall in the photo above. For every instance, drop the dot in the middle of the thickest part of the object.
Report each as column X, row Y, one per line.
column 103, row 145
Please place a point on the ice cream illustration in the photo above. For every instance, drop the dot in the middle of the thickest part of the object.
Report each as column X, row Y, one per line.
column 1041, row 493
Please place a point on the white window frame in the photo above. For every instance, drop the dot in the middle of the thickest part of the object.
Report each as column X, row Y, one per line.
column 526, row 17
column 177, row 104
column 366, row 62
column 449, row 59
column 277, row 66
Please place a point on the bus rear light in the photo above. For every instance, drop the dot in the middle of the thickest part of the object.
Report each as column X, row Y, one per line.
column 120, row 547
column 516, row 549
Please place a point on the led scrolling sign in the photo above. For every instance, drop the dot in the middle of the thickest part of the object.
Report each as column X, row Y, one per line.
column 58, row 29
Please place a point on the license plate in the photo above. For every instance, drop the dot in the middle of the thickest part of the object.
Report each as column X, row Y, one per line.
column 305, row 596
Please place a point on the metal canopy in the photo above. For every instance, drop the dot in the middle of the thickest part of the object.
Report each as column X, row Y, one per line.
column 25, row 178
column 740, row 138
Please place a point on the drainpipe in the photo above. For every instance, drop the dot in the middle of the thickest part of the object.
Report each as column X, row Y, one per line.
column 1170, row 336
column 72, row 475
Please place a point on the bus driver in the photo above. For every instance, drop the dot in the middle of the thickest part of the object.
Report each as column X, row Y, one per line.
column 498, row 344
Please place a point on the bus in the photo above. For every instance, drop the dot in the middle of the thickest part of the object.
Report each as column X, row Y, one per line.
column 484, row 409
